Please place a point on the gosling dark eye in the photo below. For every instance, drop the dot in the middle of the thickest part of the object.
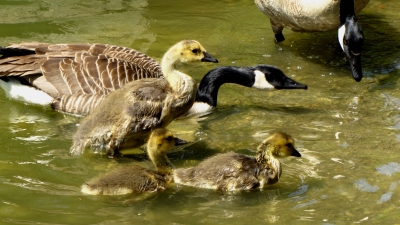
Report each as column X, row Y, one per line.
column 169, row 138
column 289, row 145
column 195, row 51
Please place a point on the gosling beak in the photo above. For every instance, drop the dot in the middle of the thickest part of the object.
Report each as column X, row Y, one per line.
column 179, row 141
column 209, row 58
column 292, row 84
column 295, row 153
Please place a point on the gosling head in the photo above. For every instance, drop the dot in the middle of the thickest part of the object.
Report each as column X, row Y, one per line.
column 162, row 140
column 279, row 145
column 190, row 51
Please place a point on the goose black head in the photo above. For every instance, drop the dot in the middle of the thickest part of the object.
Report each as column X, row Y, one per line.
column 273, row 76
column 351, row 39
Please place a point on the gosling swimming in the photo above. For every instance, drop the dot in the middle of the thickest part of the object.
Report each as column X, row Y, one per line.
column 232, row 171
column 136, row 179
column 125, row 118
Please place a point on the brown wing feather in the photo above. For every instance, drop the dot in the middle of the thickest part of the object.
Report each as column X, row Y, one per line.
column 80, row 68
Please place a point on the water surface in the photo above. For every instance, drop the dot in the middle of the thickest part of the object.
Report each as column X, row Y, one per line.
column 347, row 132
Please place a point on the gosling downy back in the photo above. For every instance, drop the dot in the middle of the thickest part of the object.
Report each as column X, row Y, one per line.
column 126, row 117
column 74, row 77
column 135, row 179
column 232, row 171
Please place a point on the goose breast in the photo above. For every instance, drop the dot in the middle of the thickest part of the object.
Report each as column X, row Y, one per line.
column 305, row 15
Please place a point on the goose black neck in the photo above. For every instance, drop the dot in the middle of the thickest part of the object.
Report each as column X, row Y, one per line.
column 8, row 52
column 209, row 85
column 346, row 9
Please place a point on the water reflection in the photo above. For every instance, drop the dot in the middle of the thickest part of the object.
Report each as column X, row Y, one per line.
column 389, row 169
column 347, row 132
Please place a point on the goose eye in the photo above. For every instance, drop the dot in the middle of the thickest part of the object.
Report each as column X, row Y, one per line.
column 345, row 41
column 169, row 138
column 289, row 145
column 195, row 51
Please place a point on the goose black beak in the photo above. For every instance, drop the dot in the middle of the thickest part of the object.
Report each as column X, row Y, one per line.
column 209, row 58
column 292, row 84
column 355, row 65
column 180, row 142
column 295, row 153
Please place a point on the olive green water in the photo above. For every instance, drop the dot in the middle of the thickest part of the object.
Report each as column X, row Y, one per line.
column 348, row 132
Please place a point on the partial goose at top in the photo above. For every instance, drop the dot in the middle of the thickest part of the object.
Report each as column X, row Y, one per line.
column 125, row 118
column 73, row 78
column 322, row 15
column 263, row 77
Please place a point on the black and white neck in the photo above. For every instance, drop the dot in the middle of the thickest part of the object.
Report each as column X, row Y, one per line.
column 262, row 77
column 351, row 37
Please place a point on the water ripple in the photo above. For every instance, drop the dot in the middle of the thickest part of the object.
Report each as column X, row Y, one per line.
column 364, row 186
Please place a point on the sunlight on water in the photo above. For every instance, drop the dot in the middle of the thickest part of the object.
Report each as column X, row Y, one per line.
column 347, row 132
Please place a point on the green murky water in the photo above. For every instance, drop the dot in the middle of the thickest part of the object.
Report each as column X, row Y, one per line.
column 348, row 132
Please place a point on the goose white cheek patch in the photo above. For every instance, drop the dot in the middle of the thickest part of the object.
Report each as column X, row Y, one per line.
column 260, row 81
column 341, row 32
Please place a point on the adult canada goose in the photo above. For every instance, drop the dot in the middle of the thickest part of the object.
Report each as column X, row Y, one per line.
column 262, row 77
column 232, row 171
column 73, row 78
column 125, row 118
column 136, row 179
column 322, row 15
column 121, row 65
